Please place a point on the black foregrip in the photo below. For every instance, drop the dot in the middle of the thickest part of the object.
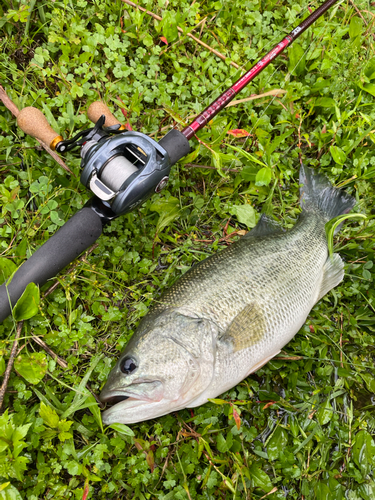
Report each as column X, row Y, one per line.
column 176, row 145
column 81, row 231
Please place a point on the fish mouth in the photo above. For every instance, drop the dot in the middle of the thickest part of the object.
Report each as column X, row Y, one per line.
column 124, row 404
column 136, row 403
column 146, row 391
column 113, row 400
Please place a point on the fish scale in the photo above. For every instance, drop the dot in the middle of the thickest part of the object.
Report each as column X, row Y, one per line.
column 230, row 313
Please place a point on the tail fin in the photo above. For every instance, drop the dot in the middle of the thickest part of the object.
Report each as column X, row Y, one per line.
column 318, row 194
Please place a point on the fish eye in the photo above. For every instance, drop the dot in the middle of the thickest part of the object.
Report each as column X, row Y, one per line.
column 128, row 365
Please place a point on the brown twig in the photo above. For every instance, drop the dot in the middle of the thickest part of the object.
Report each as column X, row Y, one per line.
column 194, row 165
column 201, row 31
column 49, row 351
column 4, row 385
column 180, row 40
column 269, row 493
column 101, row 405
column 158, row 18
column 368, row 12
column 341, row 328
column 8, row 103
column 358, row 12
column 164, row 467
column 288, row 358
column 300, row 140
column 225, row 239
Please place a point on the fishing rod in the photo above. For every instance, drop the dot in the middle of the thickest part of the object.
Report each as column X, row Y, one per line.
column 122, row 170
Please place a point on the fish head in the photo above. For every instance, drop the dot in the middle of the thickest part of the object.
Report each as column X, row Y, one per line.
column 165, row 365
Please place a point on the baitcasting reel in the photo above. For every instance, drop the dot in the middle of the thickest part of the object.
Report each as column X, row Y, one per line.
column 125, row 169
column 121, row 168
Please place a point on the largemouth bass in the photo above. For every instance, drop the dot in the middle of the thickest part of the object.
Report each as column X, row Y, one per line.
column 229, row 314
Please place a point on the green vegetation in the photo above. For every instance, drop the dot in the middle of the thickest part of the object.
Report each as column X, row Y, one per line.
column 303, row 425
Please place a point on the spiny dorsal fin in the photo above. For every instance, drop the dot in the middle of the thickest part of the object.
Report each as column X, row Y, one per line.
column 247, row 328
column 333, row 273
column 265, row 227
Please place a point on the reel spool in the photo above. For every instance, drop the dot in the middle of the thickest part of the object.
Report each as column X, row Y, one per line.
column 116, row 171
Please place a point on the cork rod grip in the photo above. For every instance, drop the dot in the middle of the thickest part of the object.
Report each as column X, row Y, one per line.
column 97, row 109
column 34, row 123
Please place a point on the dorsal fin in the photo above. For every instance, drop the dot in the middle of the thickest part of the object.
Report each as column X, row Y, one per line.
column 265, row 227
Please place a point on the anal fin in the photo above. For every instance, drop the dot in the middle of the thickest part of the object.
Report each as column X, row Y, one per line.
column 333, row 274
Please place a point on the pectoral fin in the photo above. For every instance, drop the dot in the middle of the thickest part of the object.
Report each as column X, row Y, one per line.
column 247, row 328
column 333, row 273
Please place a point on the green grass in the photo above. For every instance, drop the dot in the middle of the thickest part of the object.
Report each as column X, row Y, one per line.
column 302, row 426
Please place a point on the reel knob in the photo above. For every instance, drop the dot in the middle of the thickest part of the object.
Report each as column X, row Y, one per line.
column 98, row 108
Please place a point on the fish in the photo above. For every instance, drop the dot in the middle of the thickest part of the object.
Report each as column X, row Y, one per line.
column 230, row 314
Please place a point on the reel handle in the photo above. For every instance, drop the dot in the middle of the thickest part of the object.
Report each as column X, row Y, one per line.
column 97, row 109
column 33, row 122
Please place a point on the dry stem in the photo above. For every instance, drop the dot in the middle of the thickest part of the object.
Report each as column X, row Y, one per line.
column 49, row 351
column 274, row 92
column 4, row 385
column 358, row 12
